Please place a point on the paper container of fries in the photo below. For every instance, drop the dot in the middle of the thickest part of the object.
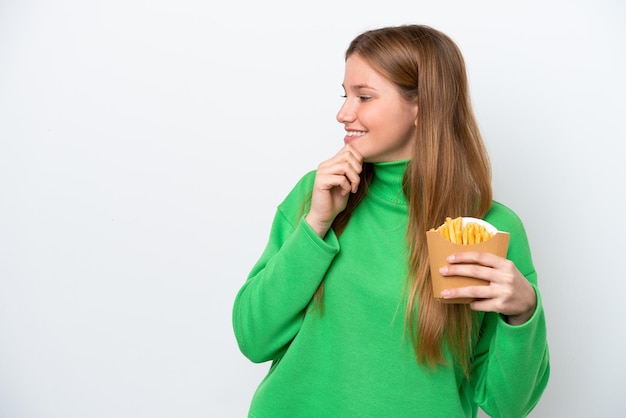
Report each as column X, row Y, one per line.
column 440, row 246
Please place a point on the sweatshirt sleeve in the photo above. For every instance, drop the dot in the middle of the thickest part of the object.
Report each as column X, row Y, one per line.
column 511, row 364
column 269, row 308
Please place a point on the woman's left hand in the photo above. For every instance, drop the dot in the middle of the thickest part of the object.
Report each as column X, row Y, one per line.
column 508, row 292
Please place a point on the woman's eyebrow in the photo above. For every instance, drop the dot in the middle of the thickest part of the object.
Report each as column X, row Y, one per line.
column 359, row 86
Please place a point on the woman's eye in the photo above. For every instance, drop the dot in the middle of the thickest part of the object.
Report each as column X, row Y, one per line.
column 362, row 99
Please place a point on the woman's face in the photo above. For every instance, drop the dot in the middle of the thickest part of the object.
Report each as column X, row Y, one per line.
column 379, row 122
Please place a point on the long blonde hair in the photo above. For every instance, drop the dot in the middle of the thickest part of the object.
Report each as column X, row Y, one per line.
column 448, row 175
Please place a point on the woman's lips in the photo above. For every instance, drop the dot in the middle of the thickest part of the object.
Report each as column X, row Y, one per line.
column 353, row 135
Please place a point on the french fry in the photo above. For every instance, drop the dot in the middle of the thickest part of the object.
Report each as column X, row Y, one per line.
column 454, row 231
column 477, row 235
column 470, row 234
column 451, row 233
column 458, row 230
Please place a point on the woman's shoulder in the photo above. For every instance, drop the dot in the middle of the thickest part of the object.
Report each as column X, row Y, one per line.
column 300, row 193
column 303, row 186
column 503, row 217
column 306, row 181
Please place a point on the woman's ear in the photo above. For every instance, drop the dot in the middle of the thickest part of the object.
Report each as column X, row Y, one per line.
column 416, row 113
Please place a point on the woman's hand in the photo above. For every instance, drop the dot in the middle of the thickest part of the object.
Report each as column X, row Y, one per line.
column 336, row 178
column 508, row 293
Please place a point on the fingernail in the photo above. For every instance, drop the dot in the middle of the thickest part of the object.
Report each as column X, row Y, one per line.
column 450, row 258
column 443, row 270
column 445, row 293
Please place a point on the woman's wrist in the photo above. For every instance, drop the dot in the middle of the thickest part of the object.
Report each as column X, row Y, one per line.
column 521, row 318
column 320, row 228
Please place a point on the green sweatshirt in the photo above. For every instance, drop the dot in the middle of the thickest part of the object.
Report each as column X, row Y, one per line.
column 355, row 360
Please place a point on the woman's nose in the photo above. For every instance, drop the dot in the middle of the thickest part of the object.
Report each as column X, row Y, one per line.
column 346, row 114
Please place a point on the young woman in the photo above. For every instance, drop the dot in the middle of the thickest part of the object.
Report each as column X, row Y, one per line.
column 341, row 299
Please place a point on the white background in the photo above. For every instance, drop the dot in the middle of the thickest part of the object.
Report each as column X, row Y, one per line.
column 144, row 146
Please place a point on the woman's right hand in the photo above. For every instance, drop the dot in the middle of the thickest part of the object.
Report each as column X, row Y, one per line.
column 336, row 178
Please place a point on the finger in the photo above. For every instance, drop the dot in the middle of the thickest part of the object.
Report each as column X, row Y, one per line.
column 331, row 181
column 355, row 180
column 471, row 292
column 348, row 163
column 345, row 168
column 351, row 156
column 343, row 172
column 354, row 152
column 346, row 185
column 476, row 257
column 344, row 158
column 475, row 271
column 486, row 305
column 484, row 298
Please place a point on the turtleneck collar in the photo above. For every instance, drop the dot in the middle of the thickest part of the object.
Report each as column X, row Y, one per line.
column 387, row 181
